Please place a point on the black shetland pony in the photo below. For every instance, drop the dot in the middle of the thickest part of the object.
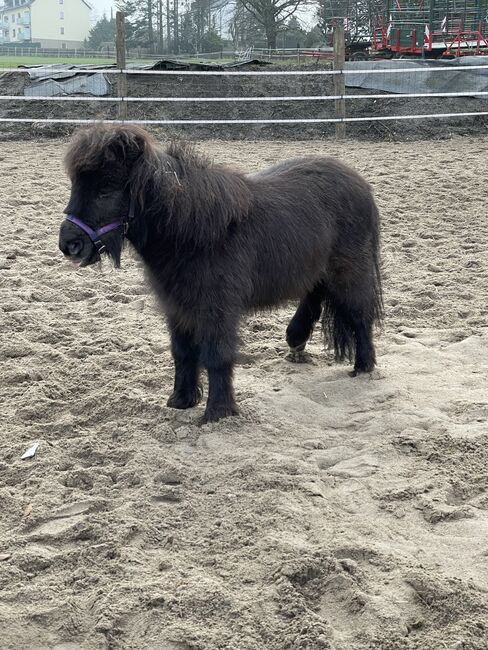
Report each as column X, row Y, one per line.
column 218, row 243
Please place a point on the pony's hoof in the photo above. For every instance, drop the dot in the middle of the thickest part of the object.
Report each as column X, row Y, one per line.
column 216, row 413
column 298, row 355
column 184, row 400
column 360, row 371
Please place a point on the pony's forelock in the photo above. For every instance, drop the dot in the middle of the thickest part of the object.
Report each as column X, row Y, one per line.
column 91, row 147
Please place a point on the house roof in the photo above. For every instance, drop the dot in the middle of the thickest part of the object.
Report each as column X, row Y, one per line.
column 27, row 3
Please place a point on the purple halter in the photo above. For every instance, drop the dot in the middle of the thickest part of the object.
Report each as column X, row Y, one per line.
column 94, row 235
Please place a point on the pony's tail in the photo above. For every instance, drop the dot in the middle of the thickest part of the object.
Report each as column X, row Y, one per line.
column 337, row 323
column 337, row 329
column 378, row 307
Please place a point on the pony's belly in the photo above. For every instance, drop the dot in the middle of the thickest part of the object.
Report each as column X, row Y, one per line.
column 272, row 298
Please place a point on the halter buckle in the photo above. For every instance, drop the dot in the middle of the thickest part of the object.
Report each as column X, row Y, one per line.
column 99, row 245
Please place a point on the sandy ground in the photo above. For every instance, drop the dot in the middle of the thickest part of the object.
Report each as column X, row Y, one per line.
column 338, row 513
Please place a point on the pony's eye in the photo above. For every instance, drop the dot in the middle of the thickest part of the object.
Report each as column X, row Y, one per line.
column 104, row 194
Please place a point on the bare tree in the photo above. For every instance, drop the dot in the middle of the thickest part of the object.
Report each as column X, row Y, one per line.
column 271, row 14
column 151, row 22
column 244, row 29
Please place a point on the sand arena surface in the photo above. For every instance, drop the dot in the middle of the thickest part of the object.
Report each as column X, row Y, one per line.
column 338, row 513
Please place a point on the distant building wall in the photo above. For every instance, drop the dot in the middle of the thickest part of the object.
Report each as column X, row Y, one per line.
column 51, row 23
column 55, row 22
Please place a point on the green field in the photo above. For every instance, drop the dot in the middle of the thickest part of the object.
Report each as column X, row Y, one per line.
column 14, row 61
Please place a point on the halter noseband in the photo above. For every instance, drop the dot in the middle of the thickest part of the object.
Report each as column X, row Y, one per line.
column 95, row 235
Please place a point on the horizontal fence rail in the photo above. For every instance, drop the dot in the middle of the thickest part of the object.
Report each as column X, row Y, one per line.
column 312, row 120
column 250, row 73
column 301, row 98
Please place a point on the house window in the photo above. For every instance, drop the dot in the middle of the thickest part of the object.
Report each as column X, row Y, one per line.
column 13, row 18
column 13, row 33
column 61, row 15
column 61, row 2
column 63, row 46
column 62, row 30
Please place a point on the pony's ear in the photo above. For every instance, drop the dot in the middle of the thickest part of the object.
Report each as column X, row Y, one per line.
column 127, row 144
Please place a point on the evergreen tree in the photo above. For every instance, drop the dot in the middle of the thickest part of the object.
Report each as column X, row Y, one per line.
column 211, row 42
column 102, row 32
column 138, row 28
column 292, row 34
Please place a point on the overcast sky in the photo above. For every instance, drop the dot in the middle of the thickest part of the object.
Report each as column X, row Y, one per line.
column 306, row 16
column 99, row 6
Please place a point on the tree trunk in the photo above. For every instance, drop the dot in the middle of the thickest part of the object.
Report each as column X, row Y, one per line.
column 168, row 26
column 150, row 32
column 199, row 24
column 176, row 46
column 160, row 26
column 271, row 35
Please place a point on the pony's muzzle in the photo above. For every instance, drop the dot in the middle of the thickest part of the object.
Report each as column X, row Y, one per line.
column 75, row 245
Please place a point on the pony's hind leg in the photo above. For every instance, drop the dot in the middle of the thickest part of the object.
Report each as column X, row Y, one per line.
column 365, row 357
column 301, row 325
column 187, row 392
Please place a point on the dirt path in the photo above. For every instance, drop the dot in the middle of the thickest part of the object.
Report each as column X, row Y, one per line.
column 338, row 513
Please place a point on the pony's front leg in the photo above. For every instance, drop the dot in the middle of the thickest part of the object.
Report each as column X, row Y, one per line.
column 220, row 402
column 217, row 355
column 187, row 392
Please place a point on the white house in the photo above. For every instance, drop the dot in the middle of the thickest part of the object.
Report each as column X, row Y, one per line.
column 50, row 23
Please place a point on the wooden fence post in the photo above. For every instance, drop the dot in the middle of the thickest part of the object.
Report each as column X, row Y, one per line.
column 339, row 80
column 121, row 77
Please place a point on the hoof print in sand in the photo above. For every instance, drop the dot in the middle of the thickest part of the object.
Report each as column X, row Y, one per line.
column 356, row 467
column 435, row 511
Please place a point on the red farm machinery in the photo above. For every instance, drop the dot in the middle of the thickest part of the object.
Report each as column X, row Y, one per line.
column 430, row 29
